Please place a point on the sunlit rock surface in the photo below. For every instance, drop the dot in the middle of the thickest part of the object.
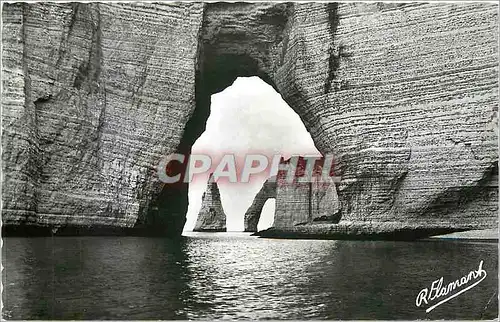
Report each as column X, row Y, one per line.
column 403, row 95
column 211, row 216
column 302, row 203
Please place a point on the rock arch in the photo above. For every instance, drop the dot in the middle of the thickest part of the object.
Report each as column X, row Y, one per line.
column 99, row 93
column 252, row 215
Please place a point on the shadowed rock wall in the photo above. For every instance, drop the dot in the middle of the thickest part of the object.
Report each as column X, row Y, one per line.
column 404, row 95
column 413, row 119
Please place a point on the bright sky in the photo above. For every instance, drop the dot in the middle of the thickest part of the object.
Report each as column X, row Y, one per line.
column 247, row 117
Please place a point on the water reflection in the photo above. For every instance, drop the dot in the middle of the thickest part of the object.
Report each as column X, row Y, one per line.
column 219, row 276
column 363, row 279
column 95, row 278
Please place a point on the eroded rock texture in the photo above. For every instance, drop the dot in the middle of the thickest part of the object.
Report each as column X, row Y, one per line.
column 95, row 94
column 414, row 98
column 303, row 203
column 298, row 203
column 211, row 216
column 325, row 204
column 252, row 215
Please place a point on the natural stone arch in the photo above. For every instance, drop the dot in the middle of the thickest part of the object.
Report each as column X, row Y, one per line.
column 379, row 169
column 129, row 84
column 252, row 215
column 134, row 109
column 298, row 203
column 240, row 40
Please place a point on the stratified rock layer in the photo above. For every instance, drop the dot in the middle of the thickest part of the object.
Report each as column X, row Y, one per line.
column 95, row 94
column 414, row 116
column 211, row 216
column 302, row 203
column 325, row 204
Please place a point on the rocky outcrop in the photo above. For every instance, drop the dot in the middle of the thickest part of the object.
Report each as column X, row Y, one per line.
column 403, row 95
column 252, row 215
column 357, row 231
column 297, row 203
column 302, row 203
column 211, row 217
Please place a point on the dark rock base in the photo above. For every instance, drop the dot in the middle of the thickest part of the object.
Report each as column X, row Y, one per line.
column 209, row 230
column 359, row 231
column 44, row 231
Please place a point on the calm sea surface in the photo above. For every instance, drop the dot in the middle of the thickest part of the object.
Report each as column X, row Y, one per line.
column 234, row 275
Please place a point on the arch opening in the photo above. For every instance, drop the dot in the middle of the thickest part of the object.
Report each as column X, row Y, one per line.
column 248, row 117
column 221, row 58
column 266, row 218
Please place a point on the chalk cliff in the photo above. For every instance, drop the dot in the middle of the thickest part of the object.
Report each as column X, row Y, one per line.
column 96, row 94
column 211, row 216
column 302, row 203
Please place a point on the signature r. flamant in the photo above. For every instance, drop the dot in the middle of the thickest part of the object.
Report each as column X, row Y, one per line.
column 437, row 290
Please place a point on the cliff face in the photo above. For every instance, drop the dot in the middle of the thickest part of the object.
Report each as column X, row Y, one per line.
column 304, row 203
column 403, row 95
column 91, row 104
column 211, row 216
column 325, row 204
column 252, row 215
column 413, row 119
